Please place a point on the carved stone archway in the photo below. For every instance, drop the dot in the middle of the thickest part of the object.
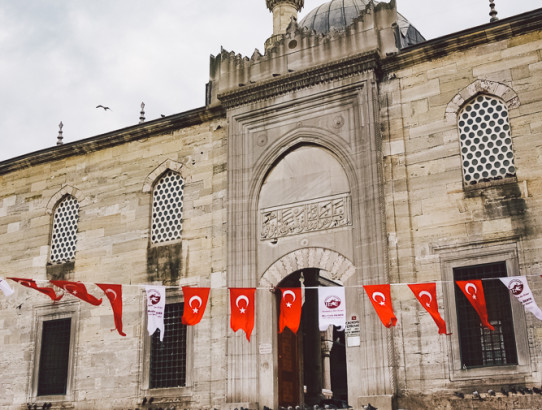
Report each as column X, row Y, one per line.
column 338, row 267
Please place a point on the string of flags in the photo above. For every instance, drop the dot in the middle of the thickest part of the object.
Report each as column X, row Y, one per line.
column 331, row 302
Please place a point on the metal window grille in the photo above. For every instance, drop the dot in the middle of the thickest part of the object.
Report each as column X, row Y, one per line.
column 54, row 357
column 480, row 346
column 168, row 358
column 64, row 233
column 167, row 208
column 486, row 144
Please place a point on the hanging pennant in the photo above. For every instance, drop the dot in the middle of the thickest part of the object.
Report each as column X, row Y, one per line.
column 426, row 293
column 331, row 307
column 474, row 292
column 114, row 294
column 78, row 290
column 195, row 302
column 156, row 306
column 31, row 283
column 380, row 297
column 6, row 289
column 290, row 309
column 518, row 286
column 242, row 302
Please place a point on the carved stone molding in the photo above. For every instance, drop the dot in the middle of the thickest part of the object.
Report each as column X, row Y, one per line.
column 311, row 216
column 296, row 81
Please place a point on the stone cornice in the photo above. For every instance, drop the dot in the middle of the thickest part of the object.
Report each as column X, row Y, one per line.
column 110, row 139
column 298, row 80
column 462, row 40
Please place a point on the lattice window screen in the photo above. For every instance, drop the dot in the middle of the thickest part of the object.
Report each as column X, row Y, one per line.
column 64, row 234
column 167, row 208
column 486, row 144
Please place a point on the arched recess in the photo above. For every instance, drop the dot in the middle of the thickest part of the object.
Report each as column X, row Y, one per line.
column 503, row 91
column 297, row 138
column 159, row 170
column 66, row 190
column 338, row 267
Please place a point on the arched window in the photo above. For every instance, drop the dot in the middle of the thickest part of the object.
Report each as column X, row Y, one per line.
column 64, row 233
column 486, row 143
column 167, row 208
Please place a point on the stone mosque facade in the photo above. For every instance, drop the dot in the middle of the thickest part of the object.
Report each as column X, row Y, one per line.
column 351, row 152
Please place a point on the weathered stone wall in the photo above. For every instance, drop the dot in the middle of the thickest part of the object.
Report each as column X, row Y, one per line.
column 113, row 247
column 432, row 216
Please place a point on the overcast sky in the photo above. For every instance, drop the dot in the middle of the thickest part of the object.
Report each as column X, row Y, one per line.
column 61, row 58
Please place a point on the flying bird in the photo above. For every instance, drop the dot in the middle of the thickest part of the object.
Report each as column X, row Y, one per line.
column 105, row 108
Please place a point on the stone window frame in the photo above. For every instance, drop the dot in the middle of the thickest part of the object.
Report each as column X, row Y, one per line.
column 181, row 392
column 478, row 254
column 467, row 94
column 43, row 314
column 51, row 208
column 148, row 188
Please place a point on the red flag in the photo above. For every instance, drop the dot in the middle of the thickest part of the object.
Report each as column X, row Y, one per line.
column 380, row 297
column 78, row 290
column 474, row 292
column 195, row 301
column 290, row 309
column 242, row 309
column 426, row 293
column 114, row 294
column 30, row 283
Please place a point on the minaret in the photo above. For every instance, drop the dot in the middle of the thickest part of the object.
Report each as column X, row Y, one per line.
column 283, row 11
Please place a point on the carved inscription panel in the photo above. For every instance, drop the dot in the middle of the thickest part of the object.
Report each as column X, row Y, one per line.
column 310, row 216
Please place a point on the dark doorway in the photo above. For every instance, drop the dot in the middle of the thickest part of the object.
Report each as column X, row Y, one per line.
column 301, row 358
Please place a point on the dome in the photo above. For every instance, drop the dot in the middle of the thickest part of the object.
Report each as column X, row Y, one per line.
column 339, row 14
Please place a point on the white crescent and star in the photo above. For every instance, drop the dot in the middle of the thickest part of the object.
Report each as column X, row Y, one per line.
column 473, row 286
column 239, row 298
column 288, row 292
column 72, row 291
column 426, row 293
column 112, row 292
column 383, row 302
column 193, row 298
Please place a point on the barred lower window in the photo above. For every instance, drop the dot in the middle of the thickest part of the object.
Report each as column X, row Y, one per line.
column 479, row 346
column 486, row 143
column 167, row 208
column 64, row 233
column 168, row 358
column 54, row 357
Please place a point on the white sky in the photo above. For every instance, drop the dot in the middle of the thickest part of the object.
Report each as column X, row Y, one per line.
column 61, row 58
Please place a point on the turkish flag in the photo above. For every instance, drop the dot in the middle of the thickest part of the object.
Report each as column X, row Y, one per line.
column 31, row 283
column 380, row 297
column 290, row 309
column 474, row 292
column 114, row 294
column 195, row 301
column 426, row 293
column 78, row 290
column 242, row 309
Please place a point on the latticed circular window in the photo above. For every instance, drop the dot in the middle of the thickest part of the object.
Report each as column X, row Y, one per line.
column 64, row 234
column 486, row 145
column 167, row 208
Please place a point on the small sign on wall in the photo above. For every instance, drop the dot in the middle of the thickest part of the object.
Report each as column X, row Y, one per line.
column 352, row 332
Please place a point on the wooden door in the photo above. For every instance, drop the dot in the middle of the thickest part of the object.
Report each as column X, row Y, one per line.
column 288, row 369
